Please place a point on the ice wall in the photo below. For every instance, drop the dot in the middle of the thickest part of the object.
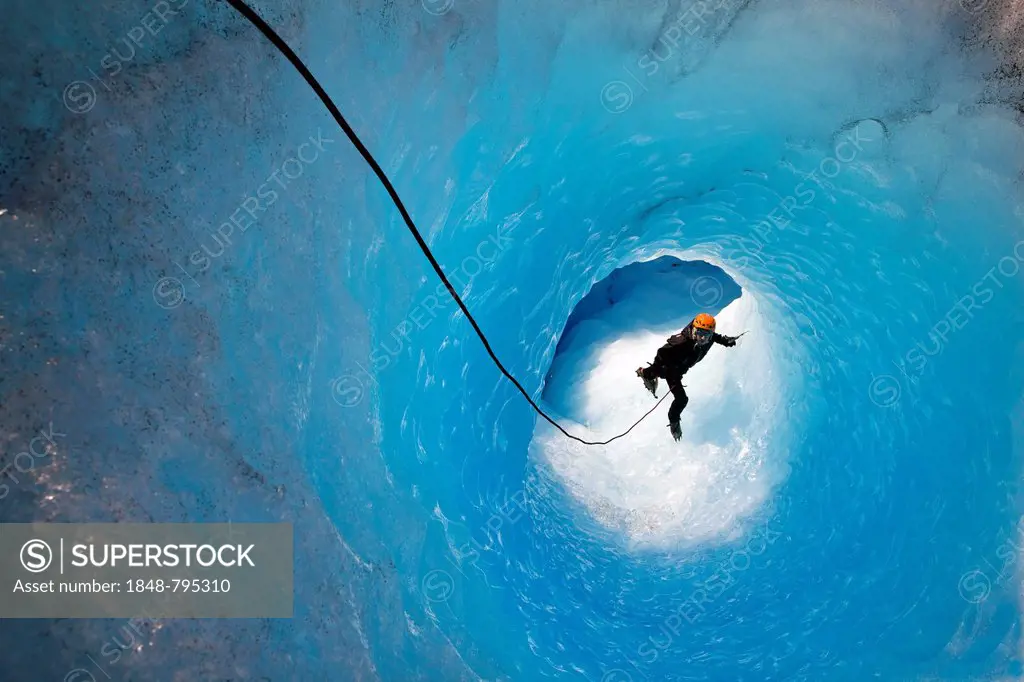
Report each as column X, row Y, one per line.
column 306, row 368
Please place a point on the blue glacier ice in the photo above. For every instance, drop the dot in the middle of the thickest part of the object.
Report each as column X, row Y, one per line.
column 839, row 177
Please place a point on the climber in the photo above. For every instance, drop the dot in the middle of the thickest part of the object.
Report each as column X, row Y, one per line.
column 677, row 357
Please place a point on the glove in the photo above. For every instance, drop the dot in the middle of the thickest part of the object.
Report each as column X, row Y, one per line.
column 729, row 341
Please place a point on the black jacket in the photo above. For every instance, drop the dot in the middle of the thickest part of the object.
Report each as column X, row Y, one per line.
column 682, row 352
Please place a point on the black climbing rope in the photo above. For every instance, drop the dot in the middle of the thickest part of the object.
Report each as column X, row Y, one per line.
column 242, row 8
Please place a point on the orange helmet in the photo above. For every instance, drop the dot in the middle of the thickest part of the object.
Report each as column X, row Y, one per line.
column 704, row 321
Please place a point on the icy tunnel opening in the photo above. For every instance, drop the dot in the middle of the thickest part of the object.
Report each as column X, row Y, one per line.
column 652, row 491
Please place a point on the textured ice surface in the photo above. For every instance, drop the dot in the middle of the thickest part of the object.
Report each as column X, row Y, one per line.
column 852, row 167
